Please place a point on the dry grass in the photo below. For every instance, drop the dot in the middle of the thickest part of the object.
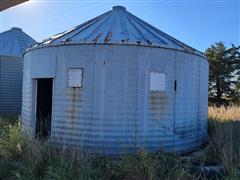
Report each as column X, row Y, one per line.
column 222, row 113
column 24, row 159
column 224, row 138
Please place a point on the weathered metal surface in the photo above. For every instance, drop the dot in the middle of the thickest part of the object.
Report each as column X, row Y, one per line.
column 28, row 99
column 115, row 112
column 117, row 26
column 13, row 43
column 203, row 100
column 186, row 104
column 47, row 67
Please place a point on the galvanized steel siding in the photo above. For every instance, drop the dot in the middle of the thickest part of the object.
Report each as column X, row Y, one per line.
column 46, row 68
column 10, row 85
column 186, row 104
column 203, row 99
column 115, row 112
column 102, row 116
column 73, row 122
column 160, row 131
column 28, row 108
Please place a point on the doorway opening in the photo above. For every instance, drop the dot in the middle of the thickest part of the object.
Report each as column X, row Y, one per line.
column 44, row 108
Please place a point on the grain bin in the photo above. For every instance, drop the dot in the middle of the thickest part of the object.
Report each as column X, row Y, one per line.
column 13, row 43
column 116, row 85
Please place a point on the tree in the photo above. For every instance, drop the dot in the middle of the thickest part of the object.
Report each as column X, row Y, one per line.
column 224, row 72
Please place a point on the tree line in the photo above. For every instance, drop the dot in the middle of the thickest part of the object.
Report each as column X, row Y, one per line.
column 224, row 74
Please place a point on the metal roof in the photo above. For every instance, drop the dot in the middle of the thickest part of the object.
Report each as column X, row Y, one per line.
column 117, row 26
column 14, row 42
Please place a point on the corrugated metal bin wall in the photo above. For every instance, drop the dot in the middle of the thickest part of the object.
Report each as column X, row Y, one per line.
column 27, row 97
column 10, row 85
column 115, row 112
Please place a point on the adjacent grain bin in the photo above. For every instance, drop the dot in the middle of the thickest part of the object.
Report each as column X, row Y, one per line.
column 13, row 43
column 116, row 85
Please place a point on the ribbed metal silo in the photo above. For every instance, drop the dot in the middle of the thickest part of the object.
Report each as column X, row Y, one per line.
column 118, row 85
column 13, row 43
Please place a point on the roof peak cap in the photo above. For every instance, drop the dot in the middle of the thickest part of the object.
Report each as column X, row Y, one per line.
column 16, row 28
column 119, row 8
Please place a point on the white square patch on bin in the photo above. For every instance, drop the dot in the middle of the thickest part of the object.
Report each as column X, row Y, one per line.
column 75, row 77
column 158, row 81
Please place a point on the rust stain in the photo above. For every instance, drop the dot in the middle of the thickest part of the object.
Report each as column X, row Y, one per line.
column 138, row 42
column 158, row 104
column 96, row 39
column 108, row 38
column 72, row 109
column 149, row 42
column 75, row 96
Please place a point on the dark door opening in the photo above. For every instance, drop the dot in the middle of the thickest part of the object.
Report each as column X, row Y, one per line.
column 44, row 108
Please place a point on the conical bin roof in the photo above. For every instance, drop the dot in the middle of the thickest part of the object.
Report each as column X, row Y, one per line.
column 14, row 42
column 117, row 26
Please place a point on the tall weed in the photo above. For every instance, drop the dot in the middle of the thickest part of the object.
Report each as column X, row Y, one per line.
column 224, row 138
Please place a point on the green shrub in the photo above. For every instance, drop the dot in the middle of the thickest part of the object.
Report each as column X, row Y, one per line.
column 8, row 168
column 10, row 147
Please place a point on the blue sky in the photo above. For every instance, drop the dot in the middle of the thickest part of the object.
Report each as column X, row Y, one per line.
column 197, row 23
